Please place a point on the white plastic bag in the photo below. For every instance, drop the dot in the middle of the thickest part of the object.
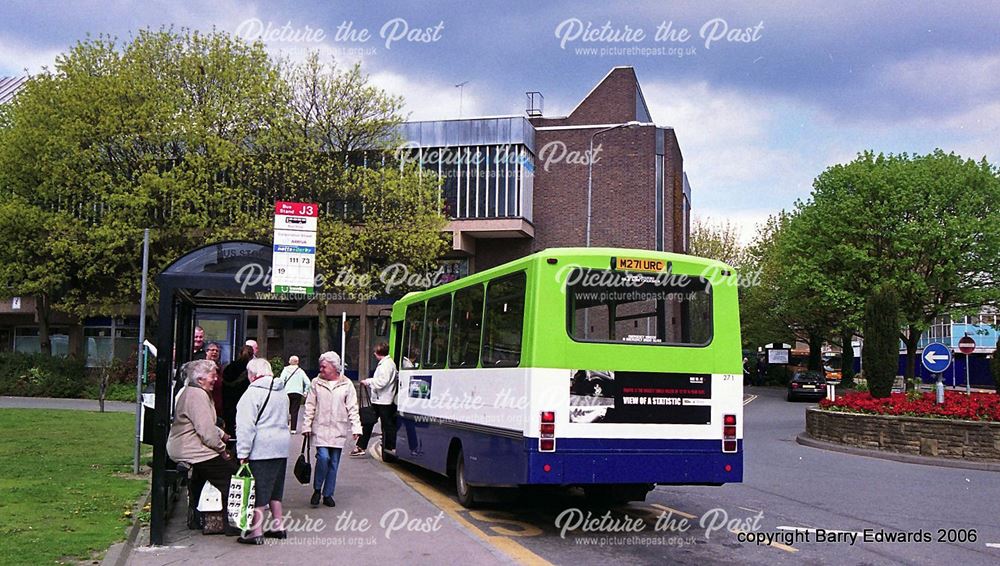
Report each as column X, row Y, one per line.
column 210, row 500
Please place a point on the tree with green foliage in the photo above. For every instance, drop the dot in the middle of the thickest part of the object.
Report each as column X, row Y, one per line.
column 763, row 315
column 194, row 136
column 384, row 212
column 847, row 358
column 881, row 347
column 926, row 225
column 150, row 133
column 719, row 241
column 792, row 301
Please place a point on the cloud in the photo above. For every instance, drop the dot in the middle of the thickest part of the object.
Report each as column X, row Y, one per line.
column 16, row 56
column 728, row 140
column 944, row 84
column 433, row 99
column 746, row 221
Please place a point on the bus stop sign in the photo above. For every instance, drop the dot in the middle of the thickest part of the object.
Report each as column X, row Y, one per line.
column 936, row 357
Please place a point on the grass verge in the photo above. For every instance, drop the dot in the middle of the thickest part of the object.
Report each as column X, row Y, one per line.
column 67, row 484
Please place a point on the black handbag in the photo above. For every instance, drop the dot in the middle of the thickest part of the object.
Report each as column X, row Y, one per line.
column 303, row 467
column 365, row 409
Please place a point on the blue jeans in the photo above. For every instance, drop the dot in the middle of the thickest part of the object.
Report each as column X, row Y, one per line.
column 327, row 461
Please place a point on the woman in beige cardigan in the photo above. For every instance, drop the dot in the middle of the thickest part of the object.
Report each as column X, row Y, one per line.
column 194, row 437
column 331, row 417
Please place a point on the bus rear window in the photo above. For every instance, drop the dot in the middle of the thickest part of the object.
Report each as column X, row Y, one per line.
column 638, row 308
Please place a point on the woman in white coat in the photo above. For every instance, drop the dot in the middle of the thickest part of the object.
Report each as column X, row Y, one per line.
column 331, row 418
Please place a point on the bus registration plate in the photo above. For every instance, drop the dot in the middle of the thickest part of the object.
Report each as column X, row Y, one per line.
column 638, row 264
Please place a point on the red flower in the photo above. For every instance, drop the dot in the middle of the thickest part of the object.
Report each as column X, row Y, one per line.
column 957, row 405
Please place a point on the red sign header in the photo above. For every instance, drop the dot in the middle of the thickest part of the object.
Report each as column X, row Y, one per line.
column 296, row 208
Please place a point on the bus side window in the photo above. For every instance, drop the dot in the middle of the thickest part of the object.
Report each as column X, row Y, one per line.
column 466, row 327
column 413, row 329
column 436, row 331
column 504, row 321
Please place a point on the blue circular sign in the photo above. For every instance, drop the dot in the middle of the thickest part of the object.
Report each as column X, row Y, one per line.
column 936, row 357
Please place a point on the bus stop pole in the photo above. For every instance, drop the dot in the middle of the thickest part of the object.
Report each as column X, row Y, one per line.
column 141, row 351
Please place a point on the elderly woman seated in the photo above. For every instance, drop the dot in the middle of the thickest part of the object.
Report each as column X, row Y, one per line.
column 194, row 436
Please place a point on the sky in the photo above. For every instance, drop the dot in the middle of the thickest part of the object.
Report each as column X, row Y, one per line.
column 763, row 96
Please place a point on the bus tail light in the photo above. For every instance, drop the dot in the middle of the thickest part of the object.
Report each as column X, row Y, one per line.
column 547, row 432
column 729, row 433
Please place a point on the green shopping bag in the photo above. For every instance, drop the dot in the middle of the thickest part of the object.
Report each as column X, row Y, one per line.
column 241, row 498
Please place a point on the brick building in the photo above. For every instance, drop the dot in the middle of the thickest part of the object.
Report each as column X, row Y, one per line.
column 511, row 185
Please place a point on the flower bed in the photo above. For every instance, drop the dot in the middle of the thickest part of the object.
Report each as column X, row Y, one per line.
column 974, row 407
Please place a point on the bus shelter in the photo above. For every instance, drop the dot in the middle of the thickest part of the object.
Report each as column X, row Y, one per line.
column 232, row 275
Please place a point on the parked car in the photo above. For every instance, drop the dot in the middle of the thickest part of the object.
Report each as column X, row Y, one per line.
column 807, row 384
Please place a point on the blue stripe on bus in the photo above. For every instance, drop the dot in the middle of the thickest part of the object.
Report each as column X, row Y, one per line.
column 493, row 459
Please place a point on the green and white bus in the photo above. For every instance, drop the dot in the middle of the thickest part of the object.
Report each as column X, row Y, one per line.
column 610, row 369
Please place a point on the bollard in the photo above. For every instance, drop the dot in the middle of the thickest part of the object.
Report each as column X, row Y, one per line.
column 831, row 392
column 940, row 390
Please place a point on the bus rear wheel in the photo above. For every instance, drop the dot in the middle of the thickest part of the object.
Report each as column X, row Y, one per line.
column 465, row 492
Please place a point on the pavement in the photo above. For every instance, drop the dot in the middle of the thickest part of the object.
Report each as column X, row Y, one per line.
column 69, row 404
column 378, row 518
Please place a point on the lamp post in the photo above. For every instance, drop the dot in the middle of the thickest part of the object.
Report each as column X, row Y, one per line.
column 590, row 167
column 590, row 197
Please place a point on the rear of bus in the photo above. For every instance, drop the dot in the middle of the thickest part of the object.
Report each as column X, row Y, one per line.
column 636, row 372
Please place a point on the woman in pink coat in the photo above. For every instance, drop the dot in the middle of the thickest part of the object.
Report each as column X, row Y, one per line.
column 331, row 417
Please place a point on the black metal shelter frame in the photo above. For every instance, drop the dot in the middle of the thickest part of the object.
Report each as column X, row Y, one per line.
column 231, row 274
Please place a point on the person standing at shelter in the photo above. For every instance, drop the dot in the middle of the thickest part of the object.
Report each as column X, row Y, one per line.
column 384, row 385
column 253, row 345
column 296, row 386
column 331, row 417
column 262, row 440
column 213, row 352
column 234, row 383
column 198, row 344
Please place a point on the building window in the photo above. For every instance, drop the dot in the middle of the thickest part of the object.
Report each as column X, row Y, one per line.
column 482, row 181
column 27, row 341
column 116, row 341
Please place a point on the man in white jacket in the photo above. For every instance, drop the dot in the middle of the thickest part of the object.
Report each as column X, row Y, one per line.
column 384, row 386
column 296, row 386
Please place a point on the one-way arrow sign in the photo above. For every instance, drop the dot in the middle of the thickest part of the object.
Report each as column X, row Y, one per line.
column 936, row 357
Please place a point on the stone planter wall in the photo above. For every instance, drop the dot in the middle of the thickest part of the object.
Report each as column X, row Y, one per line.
column 964, row 440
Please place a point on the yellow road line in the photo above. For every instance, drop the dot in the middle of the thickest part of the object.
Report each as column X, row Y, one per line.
column 446, row 504
column 674, row 511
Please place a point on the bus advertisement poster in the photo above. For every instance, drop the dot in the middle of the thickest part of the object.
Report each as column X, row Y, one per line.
column 640, row 397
